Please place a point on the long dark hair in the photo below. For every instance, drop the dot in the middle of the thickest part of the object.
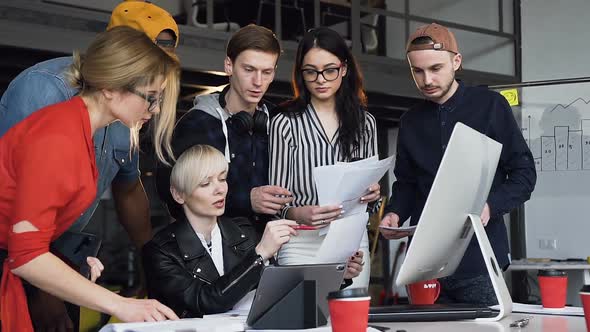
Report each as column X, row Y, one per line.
column 351, row 101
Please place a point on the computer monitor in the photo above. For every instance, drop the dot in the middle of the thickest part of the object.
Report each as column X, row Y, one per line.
column 451, row 214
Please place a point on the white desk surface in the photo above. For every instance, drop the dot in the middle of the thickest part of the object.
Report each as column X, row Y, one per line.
column 544, row 323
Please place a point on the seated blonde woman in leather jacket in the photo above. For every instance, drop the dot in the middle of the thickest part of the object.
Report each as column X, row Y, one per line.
column 205, row 263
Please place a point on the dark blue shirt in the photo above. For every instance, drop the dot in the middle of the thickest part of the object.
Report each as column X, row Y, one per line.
column 424, row 133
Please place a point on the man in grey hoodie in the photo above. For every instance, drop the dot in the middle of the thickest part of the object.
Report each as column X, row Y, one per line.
column 236, row 122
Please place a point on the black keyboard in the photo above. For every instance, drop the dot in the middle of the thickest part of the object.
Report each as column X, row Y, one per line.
column 429, row 313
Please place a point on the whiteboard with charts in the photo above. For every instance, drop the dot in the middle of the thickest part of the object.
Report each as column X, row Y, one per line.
column 555, row 122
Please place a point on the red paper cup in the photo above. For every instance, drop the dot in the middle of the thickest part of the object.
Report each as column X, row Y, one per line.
column 424, row 292
column 349, row 310
column 585, row 295
column 553, row 288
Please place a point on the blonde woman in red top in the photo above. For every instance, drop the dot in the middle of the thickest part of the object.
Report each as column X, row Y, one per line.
column 48, row 171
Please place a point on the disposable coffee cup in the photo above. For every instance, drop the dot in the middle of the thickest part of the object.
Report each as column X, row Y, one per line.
column 349, row 310
column 553, row 288
column 585, row 296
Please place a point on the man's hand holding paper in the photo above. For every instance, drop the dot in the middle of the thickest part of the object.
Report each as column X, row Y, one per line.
column 390, row 230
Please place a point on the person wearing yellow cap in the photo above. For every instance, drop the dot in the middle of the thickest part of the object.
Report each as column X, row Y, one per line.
column 44, row 84
column 433, row 56
column 155, row 22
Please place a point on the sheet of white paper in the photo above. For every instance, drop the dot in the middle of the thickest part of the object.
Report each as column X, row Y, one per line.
column 346, row 183
column 317, row 329
column 353, row 185
column 538, row 309
column 243, row 306
column 401, row 229
column 341, row 185
column 343, row 239
column 368, row 162
column 214, row 323
column 360, row 162
column 329, row 177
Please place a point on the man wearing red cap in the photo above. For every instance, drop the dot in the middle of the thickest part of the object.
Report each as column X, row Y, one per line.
column 425, row 130
column 44, row 84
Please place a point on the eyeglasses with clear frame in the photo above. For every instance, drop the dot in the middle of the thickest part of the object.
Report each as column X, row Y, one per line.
column 329, row 74
column 150, row 99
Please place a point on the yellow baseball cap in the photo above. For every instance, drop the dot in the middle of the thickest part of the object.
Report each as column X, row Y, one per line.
column 144, row 16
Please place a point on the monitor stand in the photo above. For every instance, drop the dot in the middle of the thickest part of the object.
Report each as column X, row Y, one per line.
column 500, row 289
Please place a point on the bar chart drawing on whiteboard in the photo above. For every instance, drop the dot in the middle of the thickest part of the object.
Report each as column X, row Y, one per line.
column 559, row 136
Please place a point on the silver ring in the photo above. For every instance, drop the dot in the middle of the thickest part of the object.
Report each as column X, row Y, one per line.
column 322, row 222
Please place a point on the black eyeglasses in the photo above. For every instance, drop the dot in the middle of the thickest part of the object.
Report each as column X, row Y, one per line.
column 150, row 99
column 329, row 74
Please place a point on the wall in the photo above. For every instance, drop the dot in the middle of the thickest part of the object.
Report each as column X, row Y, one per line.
column 480, row 52
column 553, row 47
column 174, row 7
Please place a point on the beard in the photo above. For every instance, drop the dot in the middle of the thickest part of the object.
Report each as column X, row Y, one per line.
column 444, row 89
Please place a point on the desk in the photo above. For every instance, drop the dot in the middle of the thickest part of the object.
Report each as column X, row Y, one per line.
column 544, row 323
column 575, row 280
column 525, row 265
column 218, row 323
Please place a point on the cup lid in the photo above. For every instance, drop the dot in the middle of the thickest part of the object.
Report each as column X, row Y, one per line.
column 585, row 289
column 348, row 292
column 552, row 273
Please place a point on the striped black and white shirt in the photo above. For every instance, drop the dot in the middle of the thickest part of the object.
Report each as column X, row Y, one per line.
column 299, row 143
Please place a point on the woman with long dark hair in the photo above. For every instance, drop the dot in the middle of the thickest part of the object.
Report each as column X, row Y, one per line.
column 326, row 122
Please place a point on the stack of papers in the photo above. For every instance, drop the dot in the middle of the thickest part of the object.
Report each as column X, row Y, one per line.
column 344, row 184
column 208, row 324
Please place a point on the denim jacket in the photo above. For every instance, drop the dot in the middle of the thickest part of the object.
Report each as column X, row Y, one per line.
column 44, row 84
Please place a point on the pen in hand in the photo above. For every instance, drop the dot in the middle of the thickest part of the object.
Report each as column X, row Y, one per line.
column 304, row 228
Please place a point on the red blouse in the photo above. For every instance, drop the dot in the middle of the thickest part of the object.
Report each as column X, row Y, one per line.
column 49, row 175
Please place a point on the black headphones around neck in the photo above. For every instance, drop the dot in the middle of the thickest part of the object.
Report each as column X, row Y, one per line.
column 243, row 123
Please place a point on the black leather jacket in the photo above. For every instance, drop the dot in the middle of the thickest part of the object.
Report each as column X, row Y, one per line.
column 181, row 274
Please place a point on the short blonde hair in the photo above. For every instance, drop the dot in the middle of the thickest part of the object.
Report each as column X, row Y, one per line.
column 122, row 59
column 195, row 165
